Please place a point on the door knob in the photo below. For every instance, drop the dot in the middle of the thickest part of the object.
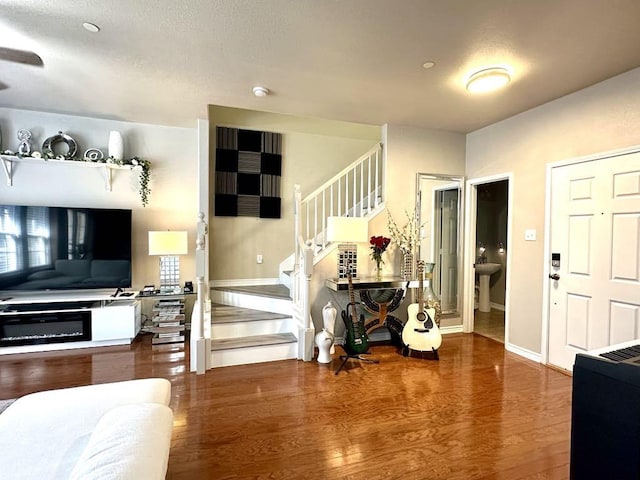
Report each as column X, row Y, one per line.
column 554, row 276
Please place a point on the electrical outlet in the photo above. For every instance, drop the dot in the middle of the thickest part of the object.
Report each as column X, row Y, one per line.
column 258, row 258
column 530, row 235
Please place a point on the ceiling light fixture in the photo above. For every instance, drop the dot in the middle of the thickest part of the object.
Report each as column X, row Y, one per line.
column 428, row 64
column 488, row 80
column 260, row 91
column 91, row 27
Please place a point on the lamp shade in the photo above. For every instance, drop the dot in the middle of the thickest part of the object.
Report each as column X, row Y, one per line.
column 347, row 229
column 168, row 243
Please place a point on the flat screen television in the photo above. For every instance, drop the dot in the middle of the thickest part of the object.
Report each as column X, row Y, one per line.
column 64, row 248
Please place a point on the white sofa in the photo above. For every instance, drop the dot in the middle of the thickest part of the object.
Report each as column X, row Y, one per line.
column 113, row 431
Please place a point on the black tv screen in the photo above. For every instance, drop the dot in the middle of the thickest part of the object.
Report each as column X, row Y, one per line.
column 64, row 248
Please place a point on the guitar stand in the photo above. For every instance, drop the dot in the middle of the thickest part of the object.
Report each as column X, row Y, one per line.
column 345, row 358
column 406, row 352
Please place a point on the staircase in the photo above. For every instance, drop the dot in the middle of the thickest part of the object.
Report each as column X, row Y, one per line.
column 242, row 335
column 252, row 324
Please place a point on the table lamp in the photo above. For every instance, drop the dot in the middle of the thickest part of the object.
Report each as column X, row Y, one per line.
column 349, row 231
column 169, row 244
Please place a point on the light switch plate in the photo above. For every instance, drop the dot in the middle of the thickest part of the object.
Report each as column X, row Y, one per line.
column 530, row 235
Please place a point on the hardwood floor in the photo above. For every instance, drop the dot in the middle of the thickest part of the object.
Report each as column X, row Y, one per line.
column 478, row 413
column 489, row 324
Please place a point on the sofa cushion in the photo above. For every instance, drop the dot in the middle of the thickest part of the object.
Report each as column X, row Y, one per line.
column 43, row 434
column 130, row 442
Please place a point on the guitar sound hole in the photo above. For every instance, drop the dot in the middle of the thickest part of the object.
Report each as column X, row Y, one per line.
column 421, row 317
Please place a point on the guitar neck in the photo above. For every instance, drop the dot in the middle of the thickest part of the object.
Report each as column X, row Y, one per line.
column 352, row 299
column 420, row 288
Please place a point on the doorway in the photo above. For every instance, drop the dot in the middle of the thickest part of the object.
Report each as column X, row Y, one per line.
column 490, row 272
column 487, row 257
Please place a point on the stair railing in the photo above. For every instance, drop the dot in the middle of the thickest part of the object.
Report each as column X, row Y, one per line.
column 353, row 192
column 356, row 191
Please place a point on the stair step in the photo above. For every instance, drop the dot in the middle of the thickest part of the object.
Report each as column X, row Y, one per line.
column 273, row 291
column 267, row 298
column 252, row 341
column 230, row 314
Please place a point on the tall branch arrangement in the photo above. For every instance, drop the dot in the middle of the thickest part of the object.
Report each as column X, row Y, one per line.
column 407, row 237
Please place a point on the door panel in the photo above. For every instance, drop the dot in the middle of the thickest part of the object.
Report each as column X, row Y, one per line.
column 595, row 226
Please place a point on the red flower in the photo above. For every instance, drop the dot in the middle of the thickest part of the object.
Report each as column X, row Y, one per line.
column 378, row 245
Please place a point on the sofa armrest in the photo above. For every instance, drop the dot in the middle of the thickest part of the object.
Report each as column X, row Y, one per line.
column 129, row 443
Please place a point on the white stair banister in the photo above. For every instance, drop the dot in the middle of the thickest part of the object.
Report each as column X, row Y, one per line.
column 301, row 278
column 201, row 315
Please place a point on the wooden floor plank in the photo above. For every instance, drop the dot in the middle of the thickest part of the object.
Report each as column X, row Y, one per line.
column 479, row 413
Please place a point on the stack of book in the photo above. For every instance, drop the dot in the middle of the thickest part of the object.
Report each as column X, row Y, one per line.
column 168, row 321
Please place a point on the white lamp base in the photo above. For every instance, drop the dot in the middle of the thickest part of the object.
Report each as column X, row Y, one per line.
column 347, row 260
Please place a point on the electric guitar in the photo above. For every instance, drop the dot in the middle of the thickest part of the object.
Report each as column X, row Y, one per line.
column 357, row 341
column 421, row 332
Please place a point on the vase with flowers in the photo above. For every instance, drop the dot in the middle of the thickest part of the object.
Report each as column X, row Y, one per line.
column 406, row 239
column 378, row 246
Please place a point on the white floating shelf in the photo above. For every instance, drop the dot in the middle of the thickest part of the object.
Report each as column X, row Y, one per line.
column 9, row 161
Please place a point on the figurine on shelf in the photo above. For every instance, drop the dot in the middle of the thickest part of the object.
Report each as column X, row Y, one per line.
column 25, row 142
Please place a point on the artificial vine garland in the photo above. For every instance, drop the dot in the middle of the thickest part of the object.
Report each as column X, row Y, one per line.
column 145, row 174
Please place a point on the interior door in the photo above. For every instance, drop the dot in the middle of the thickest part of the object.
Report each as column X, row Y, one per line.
column 595, row 229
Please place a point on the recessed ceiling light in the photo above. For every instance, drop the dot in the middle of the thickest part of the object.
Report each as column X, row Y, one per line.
column 428, row 64
column 260, row 91
column 488, row 80
column 91, row 27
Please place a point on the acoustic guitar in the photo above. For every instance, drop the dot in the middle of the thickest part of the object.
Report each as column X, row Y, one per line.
column 357, row 341
column 421, row 332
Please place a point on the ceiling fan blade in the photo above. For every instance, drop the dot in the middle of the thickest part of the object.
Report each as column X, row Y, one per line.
column 21, row 56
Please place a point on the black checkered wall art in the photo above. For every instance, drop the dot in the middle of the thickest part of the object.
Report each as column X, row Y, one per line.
column 248, row 173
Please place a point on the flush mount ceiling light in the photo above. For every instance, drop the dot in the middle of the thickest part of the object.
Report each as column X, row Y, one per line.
column 488, row 80
column 260, row 91
column 91, row 27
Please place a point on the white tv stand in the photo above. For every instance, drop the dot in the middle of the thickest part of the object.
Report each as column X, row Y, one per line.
column 101, row 319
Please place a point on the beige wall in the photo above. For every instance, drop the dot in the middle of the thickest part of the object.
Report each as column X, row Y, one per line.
column 600, row 118
column 313, row 151
column 411, row 151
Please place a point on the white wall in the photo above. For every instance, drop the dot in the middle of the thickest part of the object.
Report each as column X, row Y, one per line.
column 600, row 118
column 173, row 200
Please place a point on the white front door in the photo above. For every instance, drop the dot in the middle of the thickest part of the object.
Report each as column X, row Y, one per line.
column 595, row 229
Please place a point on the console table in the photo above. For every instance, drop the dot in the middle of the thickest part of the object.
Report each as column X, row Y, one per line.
column 379, row 297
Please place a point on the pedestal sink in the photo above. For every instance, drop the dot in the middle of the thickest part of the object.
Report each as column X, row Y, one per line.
column 485, row 270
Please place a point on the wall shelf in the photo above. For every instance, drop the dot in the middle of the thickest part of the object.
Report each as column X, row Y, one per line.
column 9, row 163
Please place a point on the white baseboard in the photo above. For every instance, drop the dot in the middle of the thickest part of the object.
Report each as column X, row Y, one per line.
column 452, row 329
column 243, row 282
column 523, row 352
column 497, row 306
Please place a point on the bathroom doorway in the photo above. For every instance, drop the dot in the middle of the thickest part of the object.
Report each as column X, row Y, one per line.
column 486, row 281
